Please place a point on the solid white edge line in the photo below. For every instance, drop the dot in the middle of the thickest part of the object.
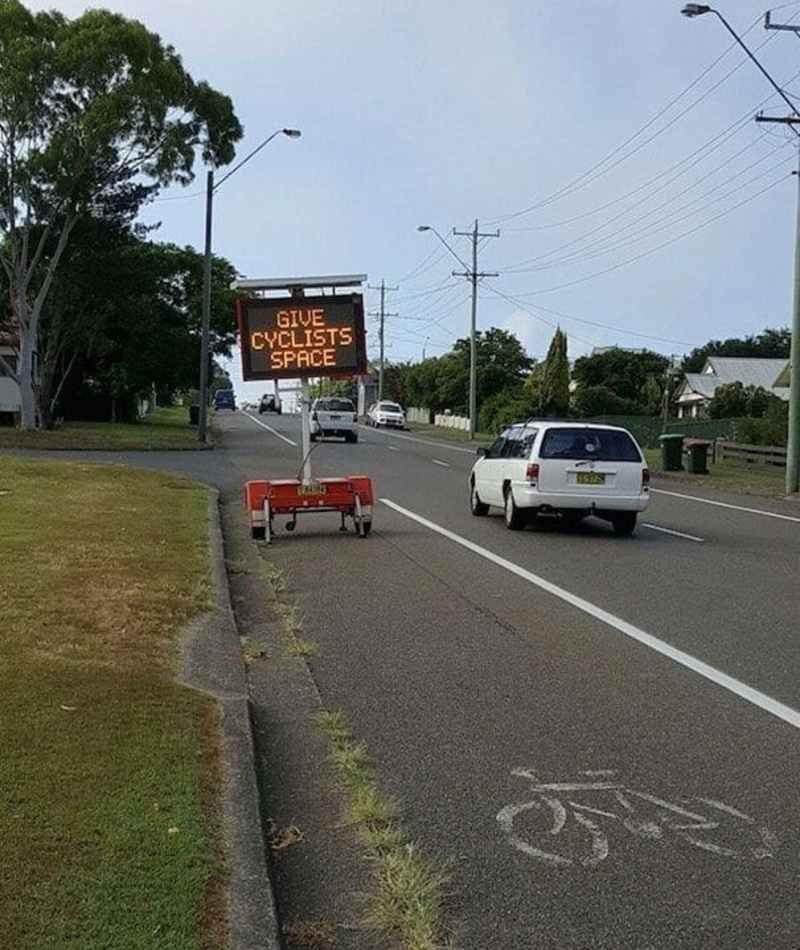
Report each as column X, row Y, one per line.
column 723, row 504
column 263, row 425
column 781, row 711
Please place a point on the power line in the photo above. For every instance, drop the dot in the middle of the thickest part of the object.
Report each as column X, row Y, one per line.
column 594, row 173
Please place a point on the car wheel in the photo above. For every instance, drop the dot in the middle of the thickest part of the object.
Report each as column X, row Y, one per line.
column 623, row 523
column 477, row 507
column 515, row 519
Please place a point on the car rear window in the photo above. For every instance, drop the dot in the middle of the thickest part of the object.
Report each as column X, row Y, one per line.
column 389, row 407
column 599, row 444
column 336, row 405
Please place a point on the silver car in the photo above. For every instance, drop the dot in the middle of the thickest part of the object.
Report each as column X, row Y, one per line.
column 568, row 469
column 334, row 416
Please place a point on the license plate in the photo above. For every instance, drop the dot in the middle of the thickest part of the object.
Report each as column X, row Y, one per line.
column 591, row 478
column 335, row 418
column 311, row 488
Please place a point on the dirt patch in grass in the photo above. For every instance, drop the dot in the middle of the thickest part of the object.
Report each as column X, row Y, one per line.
column 108, row 769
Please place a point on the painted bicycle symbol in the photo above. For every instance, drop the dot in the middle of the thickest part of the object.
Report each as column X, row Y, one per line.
column 567, row 823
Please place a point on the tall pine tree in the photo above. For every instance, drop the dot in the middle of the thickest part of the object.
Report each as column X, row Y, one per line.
column 554, row 393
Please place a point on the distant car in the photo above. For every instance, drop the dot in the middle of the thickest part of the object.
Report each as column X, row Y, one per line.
column 386, row 413
column 268, row 404
column 224, row 399
column 568, row 469
column 334, row 416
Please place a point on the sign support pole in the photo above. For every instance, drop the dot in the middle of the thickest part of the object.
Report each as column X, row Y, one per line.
column 305, row 412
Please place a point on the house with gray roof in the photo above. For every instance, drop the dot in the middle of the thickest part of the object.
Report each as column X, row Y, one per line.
column 697, row 389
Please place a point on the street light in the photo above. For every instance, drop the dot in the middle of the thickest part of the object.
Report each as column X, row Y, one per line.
column 473, row 276
column 793, row 441
column 205, row 331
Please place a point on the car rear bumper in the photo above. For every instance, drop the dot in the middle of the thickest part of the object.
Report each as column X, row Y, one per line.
column 526, row 496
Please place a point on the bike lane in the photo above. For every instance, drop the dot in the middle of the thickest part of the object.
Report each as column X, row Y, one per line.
column 585, row 792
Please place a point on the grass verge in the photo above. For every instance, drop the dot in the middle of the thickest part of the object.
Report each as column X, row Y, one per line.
column 740, row 478
column 163, row 429
column 106, row 796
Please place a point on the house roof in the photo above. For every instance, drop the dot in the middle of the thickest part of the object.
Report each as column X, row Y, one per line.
column 721, row 370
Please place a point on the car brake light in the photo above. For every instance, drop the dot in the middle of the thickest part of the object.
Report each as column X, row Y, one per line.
column 532, row 472
column 645, row 476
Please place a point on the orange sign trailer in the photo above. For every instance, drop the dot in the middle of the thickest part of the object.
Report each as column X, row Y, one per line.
column 351, row 496
column 304, row 337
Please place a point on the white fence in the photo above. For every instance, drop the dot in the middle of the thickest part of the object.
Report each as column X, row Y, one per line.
column 444, row 419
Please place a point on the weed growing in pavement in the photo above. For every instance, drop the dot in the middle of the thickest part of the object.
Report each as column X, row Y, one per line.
column 238, row 566
column 302, row 648
column 251, row 650
column 406, row 897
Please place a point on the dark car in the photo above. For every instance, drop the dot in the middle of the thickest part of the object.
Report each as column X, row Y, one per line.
column 268, row 404
column 224, row 399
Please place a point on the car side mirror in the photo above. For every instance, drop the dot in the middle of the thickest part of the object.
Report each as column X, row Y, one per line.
column 483, row 452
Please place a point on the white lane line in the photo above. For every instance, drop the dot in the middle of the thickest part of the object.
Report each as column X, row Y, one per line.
column 722, row 504
column 443, row 464
column 677, row 534
column 263, row 425
column 441, row 444
column 392, row 448
column 767, row 703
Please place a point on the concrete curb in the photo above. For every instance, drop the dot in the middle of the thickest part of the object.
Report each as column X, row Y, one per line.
column 212, row 663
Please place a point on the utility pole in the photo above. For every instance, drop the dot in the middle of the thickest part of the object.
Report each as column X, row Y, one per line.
column 473, row 276
column 793, row 435
column 383, row 315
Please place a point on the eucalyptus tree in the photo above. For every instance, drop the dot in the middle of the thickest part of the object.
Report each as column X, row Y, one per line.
column 94, row 112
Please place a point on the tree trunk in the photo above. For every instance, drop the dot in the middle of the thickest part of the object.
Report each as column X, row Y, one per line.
column 26, row 371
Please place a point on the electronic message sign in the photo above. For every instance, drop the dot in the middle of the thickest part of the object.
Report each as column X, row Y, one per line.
column 301, row 337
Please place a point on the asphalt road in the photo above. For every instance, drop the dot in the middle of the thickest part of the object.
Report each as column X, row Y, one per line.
column 598, row 734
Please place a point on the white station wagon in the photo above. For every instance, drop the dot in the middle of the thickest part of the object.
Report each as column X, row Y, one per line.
column 569, row 469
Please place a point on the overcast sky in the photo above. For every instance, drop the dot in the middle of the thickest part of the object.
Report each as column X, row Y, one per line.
column 612, row 145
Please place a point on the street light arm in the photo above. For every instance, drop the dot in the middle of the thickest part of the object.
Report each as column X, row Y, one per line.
column 429, row 227
column 205, row 327
column 697, row 9
column 292, row 133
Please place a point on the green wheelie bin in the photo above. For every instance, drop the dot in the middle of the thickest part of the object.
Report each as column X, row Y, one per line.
column 697, row 456
column 671, row 451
